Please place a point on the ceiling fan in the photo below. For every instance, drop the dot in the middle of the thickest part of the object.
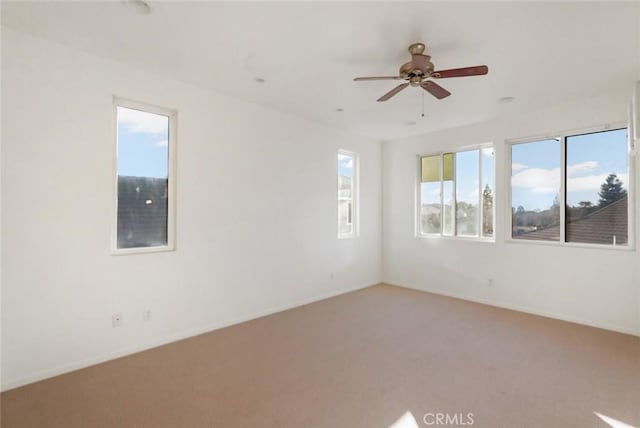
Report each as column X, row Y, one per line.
column 417, row 72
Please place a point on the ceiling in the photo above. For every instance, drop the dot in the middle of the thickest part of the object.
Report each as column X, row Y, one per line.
column 309, row 52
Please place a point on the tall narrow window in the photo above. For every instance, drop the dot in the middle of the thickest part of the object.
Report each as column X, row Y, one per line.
column 448, row 195
column 467, row 192
column 535, row 190
column 431, row 206
column 487, row 191
column 347, row 194
column 597, row 185
column 144, row 186
column 456, row 194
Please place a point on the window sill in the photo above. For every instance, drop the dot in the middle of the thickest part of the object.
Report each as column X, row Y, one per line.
column 571, row 245
column 457, row 238
column 141, row 250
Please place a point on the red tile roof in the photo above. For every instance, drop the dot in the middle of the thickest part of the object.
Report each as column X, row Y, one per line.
column 599, row 227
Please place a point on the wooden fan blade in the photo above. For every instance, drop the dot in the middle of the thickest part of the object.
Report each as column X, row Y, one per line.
column 392, row 92
column 478, row 70
column 434, row 89
column 420, row 62
column 358, row 79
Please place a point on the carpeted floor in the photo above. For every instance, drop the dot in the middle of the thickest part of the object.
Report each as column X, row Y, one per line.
column 363, row 359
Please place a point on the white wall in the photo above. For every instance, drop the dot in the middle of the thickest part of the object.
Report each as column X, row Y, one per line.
column 256, row 214
column 0, row 228
column 591, row 286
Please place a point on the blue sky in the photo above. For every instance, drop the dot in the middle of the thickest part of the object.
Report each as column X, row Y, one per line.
column 467, row 175
column 536, row 171
column 143, row 149
column 345, row 165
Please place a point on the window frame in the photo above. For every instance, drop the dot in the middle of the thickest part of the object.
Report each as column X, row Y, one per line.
column 480, row 217
column 562, row 135
column 355, row 195
column 172, row 115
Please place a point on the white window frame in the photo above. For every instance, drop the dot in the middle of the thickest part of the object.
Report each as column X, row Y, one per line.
column 562, row 135
column 418, row 196
column 171, row 181
column 355, row 196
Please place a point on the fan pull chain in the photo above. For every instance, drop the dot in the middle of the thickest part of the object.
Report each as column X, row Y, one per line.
column 422, row 103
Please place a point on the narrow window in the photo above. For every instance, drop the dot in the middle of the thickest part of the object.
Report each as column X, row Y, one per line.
column 487, row 191
column 535, row 190
column 144, row 186
column 347, row 194
column 597, row 187
column 448, row 195
column 467, row 191
column 430, row 208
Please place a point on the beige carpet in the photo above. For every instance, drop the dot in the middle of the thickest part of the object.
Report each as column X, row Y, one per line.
column 363, row 359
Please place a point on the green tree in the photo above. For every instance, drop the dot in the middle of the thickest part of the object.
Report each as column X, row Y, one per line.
column 583, row 209
column 611, row 190
column 487, row 211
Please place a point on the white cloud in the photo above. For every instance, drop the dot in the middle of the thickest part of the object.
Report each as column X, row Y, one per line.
column 163, row 143
column 142, row 122
column 592, row 182
column 518, row 166
column 539, row 180
column 582, row 167
column 347, row 162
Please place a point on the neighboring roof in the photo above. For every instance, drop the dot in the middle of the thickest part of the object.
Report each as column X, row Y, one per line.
column 599, row 227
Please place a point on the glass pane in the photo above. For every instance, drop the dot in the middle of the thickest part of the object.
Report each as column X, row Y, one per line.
column 487, row 192
column 448, row 198
column 430, row 195
column 430, row 169
column 467, row 172
column 344, row 217
column 143, row 171
column 535, row 190
column 447, row 160
column 345, row 176
column 345, row 193
column 448, row 206
column 597, row 184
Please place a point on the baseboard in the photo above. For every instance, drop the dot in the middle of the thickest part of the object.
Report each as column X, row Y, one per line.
column 561, row 317
column 9, row 384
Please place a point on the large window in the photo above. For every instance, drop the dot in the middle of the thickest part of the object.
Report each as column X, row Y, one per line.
column 456, row 194
column 572, row 188
column 347, row 194
column 144, row 214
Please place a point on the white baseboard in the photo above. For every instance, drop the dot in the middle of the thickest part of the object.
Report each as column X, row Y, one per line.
column 562, row 317
column 8, row 384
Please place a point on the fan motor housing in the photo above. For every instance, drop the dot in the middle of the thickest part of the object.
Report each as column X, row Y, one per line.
column 407, row 71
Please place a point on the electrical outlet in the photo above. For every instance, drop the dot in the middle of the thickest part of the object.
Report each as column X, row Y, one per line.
column 116, row 320
column 146, row 315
